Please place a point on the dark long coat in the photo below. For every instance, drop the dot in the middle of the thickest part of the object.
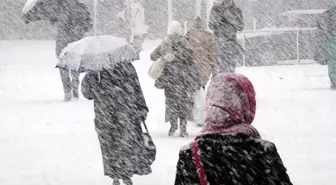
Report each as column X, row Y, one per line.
column 233, row 160
column 179, row 78
column 225, row 23
column 120, row 108
column 72, row 21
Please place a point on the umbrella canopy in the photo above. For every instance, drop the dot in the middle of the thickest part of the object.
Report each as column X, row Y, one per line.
column 96, row 52
column 29, row 5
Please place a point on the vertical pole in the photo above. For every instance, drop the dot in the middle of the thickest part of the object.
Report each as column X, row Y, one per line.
column 185, row 27
column 198, row 8
column 254, row 24
column 209, row 6
column 170, row 11
column 95, row 17
column 244, row 57
column 298, row 46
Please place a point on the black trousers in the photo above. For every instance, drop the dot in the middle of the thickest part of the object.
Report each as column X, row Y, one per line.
column 70, row 80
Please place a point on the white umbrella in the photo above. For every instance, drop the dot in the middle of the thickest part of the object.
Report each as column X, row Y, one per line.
column 96, row 52
column 29, row 5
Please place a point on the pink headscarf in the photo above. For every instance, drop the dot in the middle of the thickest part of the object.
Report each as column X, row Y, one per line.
column 230, row 105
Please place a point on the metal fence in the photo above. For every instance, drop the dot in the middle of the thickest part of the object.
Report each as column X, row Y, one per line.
column 250, row 34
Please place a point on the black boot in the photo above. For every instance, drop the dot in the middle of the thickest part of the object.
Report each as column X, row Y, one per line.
column 116, row 182
column 183, row 128
column 67, row 98
column 75, row 84
column 173, row 127
column 128, row 181
column 66, row 81
column 172, row 131
column 75, row 94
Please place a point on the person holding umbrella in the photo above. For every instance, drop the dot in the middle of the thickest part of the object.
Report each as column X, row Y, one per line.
column 120, row 108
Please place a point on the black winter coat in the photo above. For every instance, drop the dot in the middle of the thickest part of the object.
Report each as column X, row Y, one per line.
column 233, row 160
column 73, row 22
column 226, row 21
column 120, row 109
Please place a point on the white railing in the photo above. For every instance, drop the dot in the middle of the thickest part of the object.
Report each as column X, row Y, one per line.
column 266, row 32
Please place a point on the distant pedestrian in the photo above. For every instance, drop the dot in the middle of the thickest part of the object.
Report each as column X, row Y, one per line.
column 326, row 43
column 134, row 17
column 72, row 23
column 179, row 78
column 204, row 56
column 226, row 19
column 229, row 150
column 204, row 50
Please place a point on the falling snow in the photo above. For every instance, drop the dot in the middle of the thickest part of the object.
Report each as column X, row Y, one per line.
column 151, row 92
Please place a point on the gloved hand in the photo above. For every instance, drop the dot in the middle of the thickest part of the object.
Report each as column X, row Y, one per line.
column 143, row 115
column 169, row 57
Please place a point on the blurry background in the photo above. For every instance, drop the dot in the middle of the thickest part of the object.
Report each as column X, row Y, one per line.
column 276, row 31
column 258, row 14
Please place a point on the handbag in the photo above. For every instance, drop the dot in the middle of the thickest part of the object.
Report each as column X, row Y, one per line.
column 149, row 147
column 156, row 69
column 198, row 113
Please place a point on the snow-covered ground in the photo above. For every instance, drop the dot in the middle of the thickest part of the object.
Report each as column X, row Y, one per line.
column 44, row 141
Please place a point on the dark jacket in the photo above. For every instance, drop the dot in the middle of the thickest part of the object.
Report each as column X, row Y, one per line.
column 120, row 109
column 233, row 160
column 179, row 78
column 73, row 21
column 226, row 21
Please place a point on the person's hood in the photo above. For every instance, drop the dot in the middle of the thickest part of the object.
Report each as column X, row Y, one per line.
column 175, row 28
column 230, row 102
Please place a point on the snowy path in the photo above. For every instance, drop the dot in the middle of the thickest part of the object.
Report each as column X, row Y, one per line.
column 44, row 141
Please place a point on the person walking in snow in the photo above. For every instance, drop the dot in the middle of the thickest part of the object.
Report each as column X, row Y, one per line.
column 326, row 45
column 226, row 20
column 72, row 23
column 134, row 17
column 229, row 150
column 179, row 78
column 204, row 50
column 204, row 55
column 120, row 108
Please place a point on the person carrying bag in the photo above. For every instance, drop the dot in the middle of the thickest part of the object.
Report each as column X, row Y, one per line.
column 149, row 152
column 156, row 69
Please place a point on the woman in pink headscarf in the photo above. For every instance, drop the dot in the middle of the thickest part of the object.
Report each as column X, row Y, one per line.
column 229, row 150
